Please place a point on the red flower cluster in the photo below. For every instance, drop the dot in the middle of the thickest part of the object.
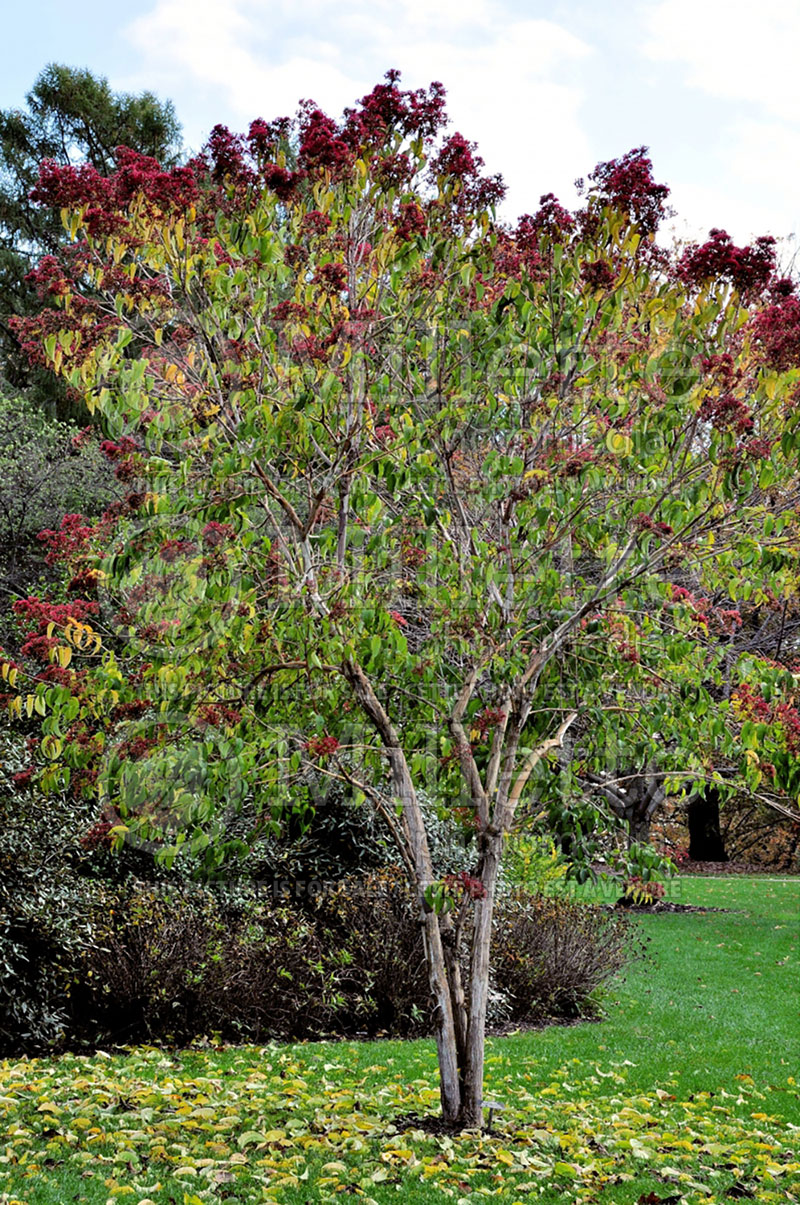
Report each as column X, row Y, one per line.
column 117, row 451
column 777, row 329
column 648, row 523
column 332, row 278
column 748, row 269
column 107, row 198
column 266, row 138
column 217, row 714
column 571, row 459
column 137, row 747
column 393, row 171
column 703, row 613
column 490, row 717
column 322, row 746
column 551, row 220
column 84, row 437
column 598, row 274
column 457, row 160
column 71, row 539
column 314, row 222
column 727, row 413
column 40, row 613
column 621, row 635
column 282, row 182
column 86, row 326
column 321, row 144
column 514, row 253
column 720, row 368
column 172, row 550
column 226, row 151
column 216, row 534
column 410, row 221
column 131, row 710
column 467, row 884
column 750, row 704
column 98, row 835
column 627, row 184
column 285, row 310
column 387, row 110
column 758, row 448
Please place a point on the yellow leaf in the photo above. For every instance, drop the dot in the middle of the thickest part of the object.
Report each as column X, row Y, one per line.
column 619, row 444
column 51, row 747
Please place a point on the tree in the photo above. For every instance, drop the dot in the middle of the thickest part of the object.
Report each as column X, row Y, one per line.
column 414, row 496
column 72, row 117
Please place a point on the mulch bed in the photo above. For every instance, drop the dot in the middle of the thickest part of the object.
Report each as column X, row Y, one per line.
column 664, row 906
column 735, row 868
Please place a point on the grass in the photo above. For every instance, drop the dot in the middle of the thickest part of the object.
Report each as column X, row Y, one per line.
column 687, row 1090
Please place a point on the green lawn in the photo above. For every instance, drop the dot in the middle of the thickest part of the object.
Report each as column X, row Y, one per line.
column 687, row 1091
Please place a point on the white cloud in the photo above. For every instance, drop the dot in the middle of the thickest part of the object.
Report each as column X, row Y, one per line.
column 218, row 45
column 733, row 49
column 514, row 86
column 745, row 55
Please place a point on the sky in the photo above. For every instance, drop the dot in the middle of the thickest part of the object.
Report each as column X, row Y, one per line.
column 547, row 88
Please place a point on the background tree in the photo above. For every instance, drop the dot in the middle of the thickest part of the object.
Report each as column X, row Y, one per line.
column 72, row 117
column 413, row 498
column 47, row 471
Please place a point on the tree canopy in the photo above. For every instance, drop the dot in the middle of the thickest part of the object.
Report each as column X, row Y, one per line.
column 72, row 116
column 433, row 509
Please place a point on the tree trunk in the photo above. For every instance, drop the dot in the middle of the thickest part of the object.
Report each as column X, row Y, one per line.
column 416, row 853
column 638, row 830
column 472, row 1089
column 446, row 1044
column 705, row 837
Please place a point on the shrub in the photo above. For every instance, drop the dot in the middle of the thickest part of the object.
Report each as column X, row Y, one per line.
column 551, row 955
column 533, row 864
column 90, row 963
column 48, row 911
column 642, row 892
column 373, row 920
column 183, row 961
